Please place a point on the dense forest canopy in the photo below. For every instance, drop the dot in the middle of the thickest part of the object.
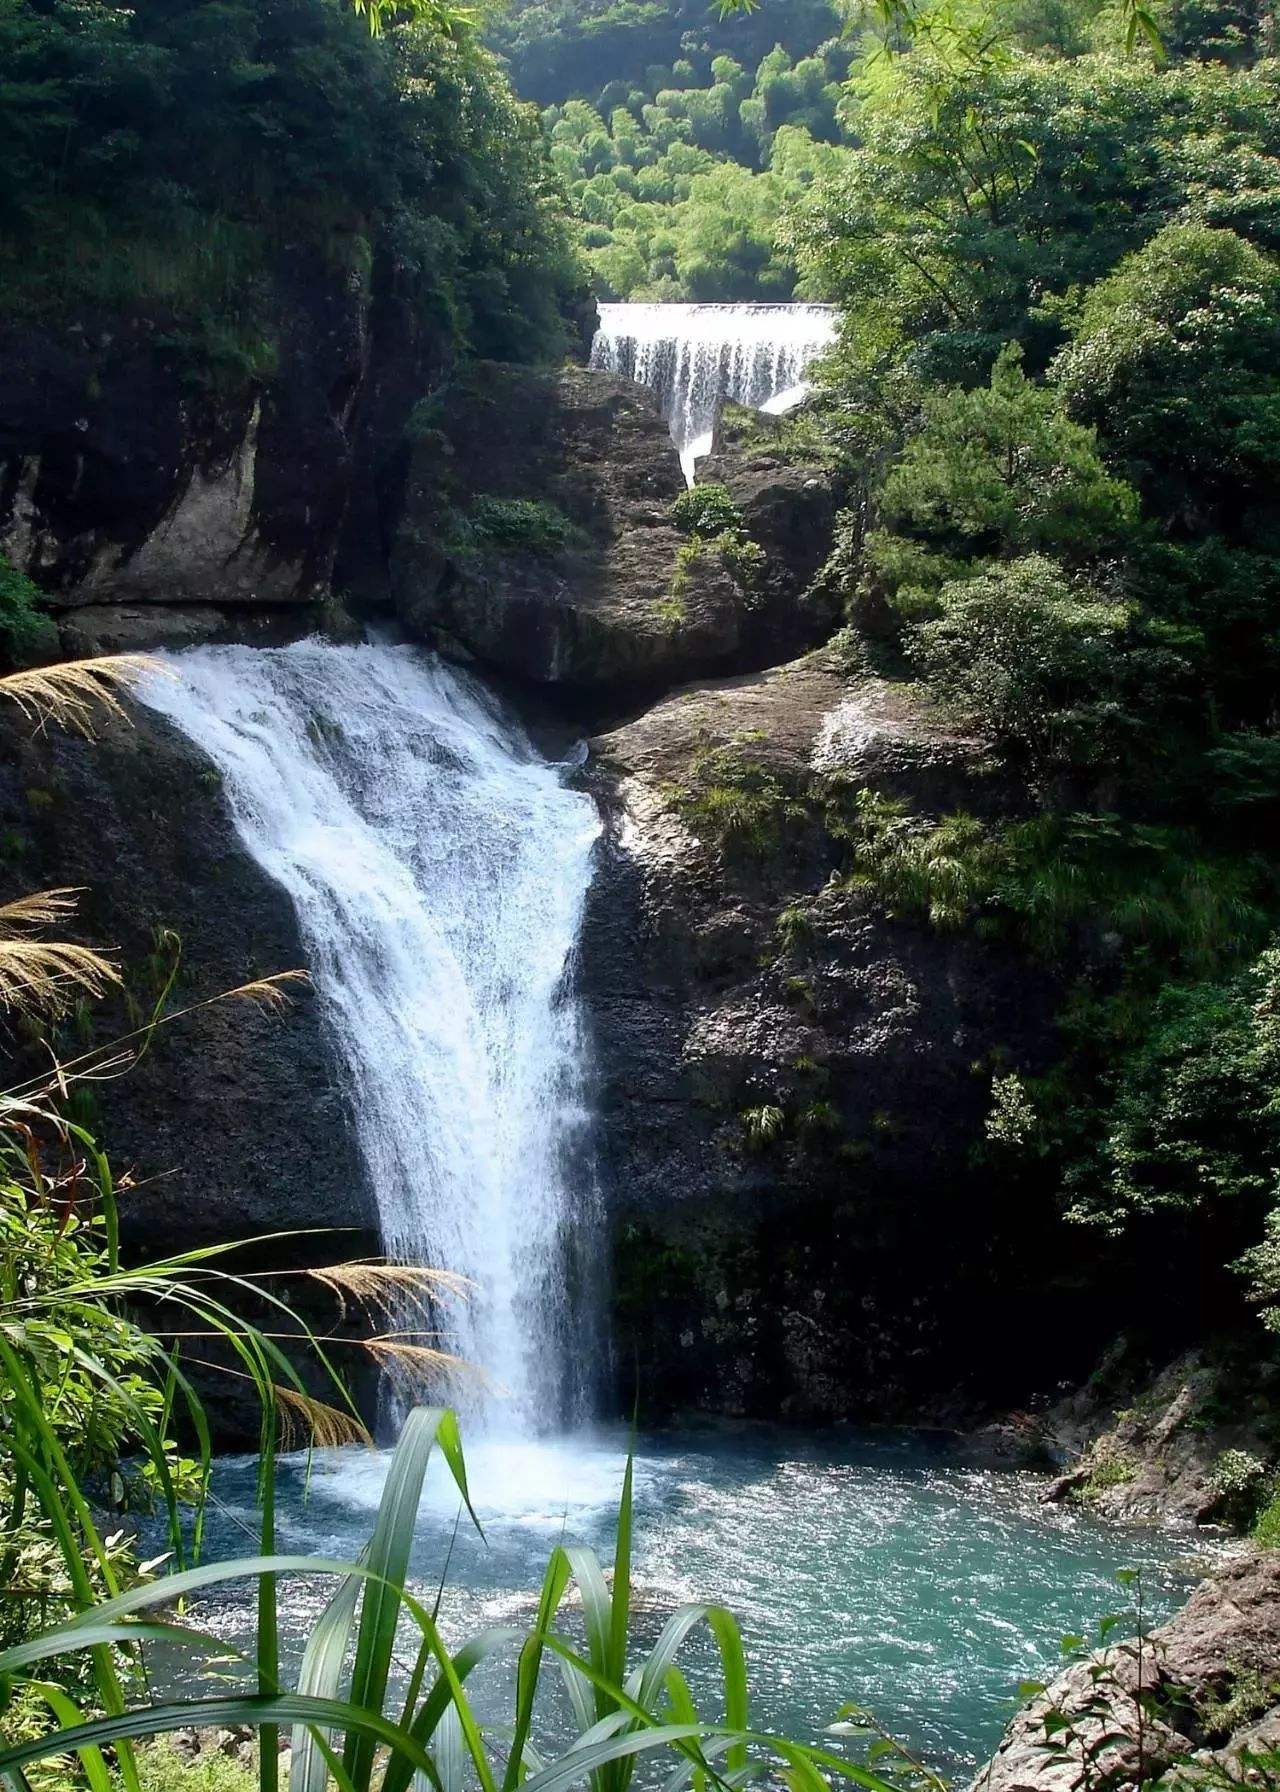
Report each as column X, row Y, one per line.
column 679, row 138
column 167, row 155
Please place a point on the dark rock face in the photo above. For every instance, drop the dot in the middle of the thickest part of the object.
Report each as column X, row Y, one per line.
column 120, row 484
column 792, row 1085
column 615, row 605
column 234, row 1124
column 1206, row 1681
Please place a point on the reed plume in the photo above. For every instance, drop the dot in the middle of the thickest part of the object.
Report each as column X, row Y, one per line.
column 387, row 1286
column 71, row 695
column 46, row 975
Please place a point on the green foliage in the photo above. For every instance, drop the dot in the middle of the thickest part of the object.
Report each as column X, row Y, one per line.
column 162, row 1769
column 1001, row 471
column 941, row 871
column 518, row 525
column 1011, row 1123
column 27, row 633
column 763, row 1126
column 400, row 157
column 706, row 510
column 1177, row 354
column 1241, row 1486
column 1111, row 1467
column 1035, row 656
column 1191, row 1127
column 981, row 187
column 680, row 173
column 1266, row 1529
column 739, row 804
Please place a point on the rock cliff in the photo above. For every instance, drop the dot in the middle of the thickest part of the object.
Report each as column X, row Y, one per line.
column 234, row 1124
column 538, row 537
column 156, row 508
column 792, row 1085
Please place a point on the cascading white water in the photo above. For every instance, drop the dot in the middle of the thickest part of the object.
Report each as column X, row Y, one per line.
column 696, row 356
column 439, row 868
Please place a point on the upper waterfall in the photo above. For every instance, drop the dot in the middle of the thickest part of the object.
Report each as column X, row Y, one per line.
column 695, row 356
column 439, row 868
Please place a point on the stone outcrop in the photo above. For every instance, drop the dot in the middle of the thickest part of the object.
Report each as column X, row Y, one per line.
column 234, row 1124
column 613, row 604
column 1143, row 1444
column 198, row 506
column 1196, row 1694
column 792, row 1085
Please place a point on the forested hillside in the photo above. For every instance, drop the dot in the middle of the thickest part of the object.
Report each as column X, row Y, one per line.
column 168, row 156
column 680, row 138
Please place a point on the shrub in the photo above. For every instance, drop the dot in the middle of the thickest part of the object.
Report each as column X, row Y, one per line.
column 1003, row 470
column 27, row 633
column 1240, row 1485
column 1031, row 655
column 520, row 525
column 943, row 871
column 706, row 510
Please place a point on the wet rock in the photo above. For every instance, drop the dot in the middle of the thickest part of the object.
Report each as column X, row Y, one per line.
column 1126, row 1715
column 791, row 1083
column 1143, row 1442
column 235, row 1124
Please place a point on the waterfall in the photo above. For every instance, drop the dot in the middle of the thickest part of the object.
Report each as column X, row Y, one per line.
column 438, row 868
column 695, row 356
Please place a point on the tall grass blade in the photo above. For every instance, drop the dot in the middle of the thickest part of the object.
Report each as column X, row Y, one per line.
column 388, row 1562
column 320, row 1676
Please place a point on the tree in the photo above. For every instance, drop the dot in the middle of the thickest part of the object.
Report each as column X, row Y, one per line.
column 978, row 190
column 1033, row 655
column 1176, row 355
column 994, row 473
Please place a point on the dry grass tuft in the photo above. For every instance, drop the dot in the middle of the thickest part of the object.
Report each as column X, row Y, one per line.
column 38, row 910
column 305, row 1421
column 268, row 993
column 46, row 976
column 74, row 695
column 417, row 1369
column 389, row 1286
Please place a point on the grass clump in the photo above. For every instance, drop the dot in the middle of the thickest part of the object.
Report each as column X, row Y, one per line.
column 1266, row 1528
column 738, row 804
column 1111, row 1467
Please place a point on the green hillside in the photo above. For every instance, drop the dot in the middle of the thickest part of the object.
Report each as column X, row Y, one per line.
column 681, row 138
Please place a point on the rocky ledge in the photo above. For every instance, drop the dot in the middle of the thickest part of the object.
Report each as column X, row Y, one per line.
column 539, row 538
column 792, row 1082
column 1195, row 1704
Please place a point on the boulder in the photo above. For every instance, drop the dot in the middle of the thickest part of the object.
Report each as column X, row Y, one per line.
column 1197, row 1692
